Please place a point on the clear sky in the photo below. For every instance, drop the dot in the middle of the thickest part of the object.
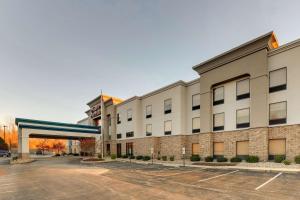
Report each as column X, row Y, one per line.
column 55, row 55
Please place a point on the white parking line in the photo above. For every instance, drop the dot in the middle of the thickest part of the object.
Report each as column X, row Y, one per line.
column 262, row 185
column 10, row 191
column 202, row 180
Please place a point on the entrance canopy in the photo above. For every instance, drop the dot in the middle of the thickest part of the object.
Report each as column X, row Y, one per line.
column 30, row 128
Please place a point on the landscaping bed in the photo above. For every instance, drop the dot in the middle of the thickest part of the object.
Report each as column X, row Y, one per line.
column 215, row 163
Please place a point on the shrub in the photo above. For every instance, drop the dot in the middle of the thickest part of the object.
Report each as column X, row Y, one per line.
column 146, row 158
column 279, row 158
column 209, row 159
column 139, row 157
column 131, row 157
column 113, row 156
column 286, row 162
column 164, row 158
column 99, row 156
column 125, row 156
column 76, row 154
column 297, row 159
column 119, row 156
column 172, row 158
column 235, row 159
column 195, row 158
column 56, row 155
column 222, row 159
column 15, row 158
column 252, row 159
column 158, row 158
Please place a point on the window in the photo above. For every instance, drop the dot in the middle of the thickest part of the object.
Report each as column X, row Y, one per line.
column 218, row 96
column 243, row 89
column 218, row 149
column 276, row 147
column 277, row 113
column 243, row 118
column 108, row 120
column 148, row 111
column 278, row 80
column 196, row 125
column 218, row 122
column 168, row 106
column 168, row 127
column 242, row 149
column 118, row 119
column 196, row 102
column 195, row 149
column 129, row 115
column 148, row 129
column 129, row 134
column 119, row 135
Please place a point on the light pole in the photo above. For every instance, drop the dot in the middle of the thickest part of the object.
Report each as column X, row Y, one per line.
column 4, row 127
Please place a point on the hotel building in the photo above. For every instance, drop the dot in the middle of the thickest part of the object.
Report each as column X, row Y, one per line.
column 246, row 101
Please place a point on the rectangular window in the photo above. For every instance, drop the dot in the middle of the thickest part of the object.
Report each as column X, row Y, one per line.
column 148, row 129
column 196, row 102
column 148, row 111
column 196, row 125
column 129, row 115
column 129, row 134
column 218, row 96
column 118, row 119
column 242, row 149
column 278, row 80
column 243, row 118
column 108, row 120
column 168, row 106
column 195, row 149
column 276, row 147
column 119, row 136
column 219, row 122
column 168, row 127
column 218, row 149
column 243, row 89
column 277, row 113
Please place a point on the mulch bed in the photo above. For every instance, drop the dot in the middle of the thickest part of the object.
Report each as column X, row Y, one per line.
column 215, row 163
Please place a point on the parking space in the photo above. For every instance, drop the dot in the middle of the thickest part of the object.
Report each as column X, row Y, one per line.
column 67, row 178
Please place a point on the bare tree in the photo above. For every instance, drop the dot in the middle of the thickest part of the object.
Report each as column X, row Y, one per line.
column 43, row 145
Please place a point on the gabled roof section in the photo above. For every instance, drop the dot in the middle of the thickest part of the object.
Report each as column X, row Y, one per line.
column 267, row 41
column 115, row 100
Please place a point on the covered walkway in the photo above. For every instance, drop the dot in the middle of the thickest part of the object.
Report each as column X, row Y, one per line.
column 30, row 128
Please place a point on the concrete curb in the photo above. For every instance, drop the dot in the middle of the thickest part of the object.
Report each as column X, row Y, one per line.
column 241, row 168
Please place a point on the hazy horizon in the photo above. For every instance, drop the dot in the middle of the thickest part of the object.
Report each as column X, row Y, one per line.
column 55, row 56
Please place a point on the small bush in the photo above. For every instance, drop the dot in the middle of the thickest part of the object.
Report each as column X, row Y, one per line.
column 113, row 156
column 172, row 158
column 146, row 158
column 15, row 158
column 56, row 155
column 158, row 158
column 119, row 156
column 209, row 159
column 235, row 159
column 125, row 156
column 297, row 159
column 139, row 157
column 76, row 154
column 131, row 157
column 164, row 158
column 222, row 159
column 195, row 158
column 279, row 158
column 252, row 159
column 99, row 156
column 286, row 162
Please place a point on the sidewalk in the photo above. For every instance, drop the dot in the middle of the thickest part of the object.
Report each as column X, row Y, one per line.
column 260, row 167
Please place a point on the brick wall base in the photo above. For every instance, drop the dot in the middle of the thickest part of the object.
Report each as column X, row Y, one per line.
column 258, row 142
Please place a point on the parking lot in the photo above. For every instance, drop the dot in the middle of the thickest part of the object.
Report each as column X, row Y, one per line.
column 67, row 178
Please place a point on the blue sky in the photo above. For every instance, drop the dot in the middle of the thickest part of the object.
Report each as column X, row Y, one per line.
column 55, row 56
